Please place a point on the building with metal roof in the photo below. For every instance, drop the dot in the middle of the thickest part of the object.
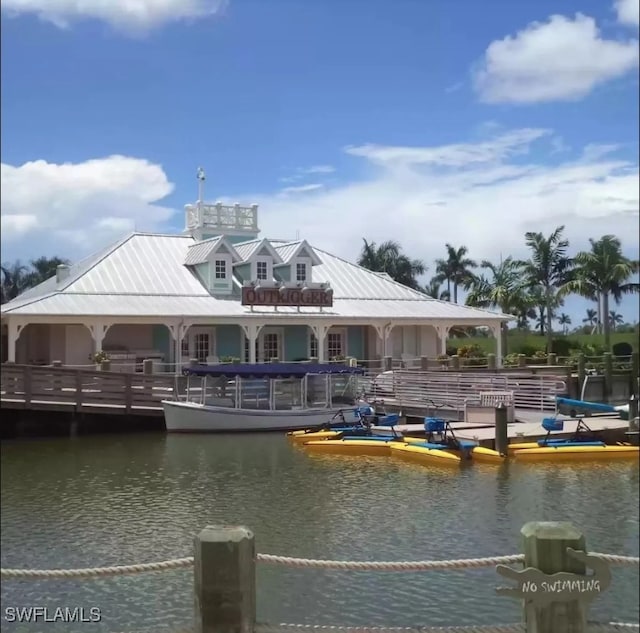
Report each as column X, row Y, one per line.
column 220, row 292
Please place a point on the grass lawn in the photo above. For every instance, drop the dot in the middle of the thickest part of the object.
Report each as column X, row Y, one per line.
column 518, row 339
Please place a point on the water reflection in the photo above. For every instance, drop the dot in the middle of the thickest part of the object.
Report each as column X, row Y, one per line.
column 106, row 500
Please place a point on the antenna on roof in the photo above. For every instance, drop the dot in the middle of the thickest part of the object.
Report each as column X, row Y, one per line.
column 201, row 179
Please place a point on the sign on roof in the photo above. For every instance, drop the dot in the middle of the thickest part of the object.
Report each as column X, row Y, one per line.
column 312, row 297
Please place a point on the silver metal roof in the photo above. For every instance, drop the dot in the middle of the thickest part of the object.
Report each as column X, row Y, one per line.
column 145, row 275
column 199, row 252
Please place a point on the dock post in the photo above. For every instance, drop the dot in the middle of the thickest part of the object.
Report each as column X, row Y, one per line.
column 225, row 580
column 105, row 365
column 545, row 548
column 424, row 363
column 608, row 375
column 634, row 420
column 502, row 420
column 522, row 360
column 552, row 359
column 491, row 361
column 387, row 363
column 635, row 372
column 454, row 362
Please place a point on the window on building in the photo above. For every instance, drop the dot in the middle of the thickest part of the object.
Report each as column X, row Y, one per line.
column 202, row 346
column 313, row 346
column 271, row 346
column 221, row 269
column 262, row 270
column 301, row 272
column 335, row 344
column 185, row 347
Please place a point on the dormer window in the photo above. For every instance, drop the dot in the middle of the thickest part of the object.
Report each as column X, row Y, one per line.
column 220, row 269
column 262, row 271
column 301, row 271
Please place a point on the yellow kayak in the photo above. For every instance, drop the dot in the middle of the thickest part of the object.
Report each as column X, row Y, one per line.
column 486, row 455
column 577, row 453
column 300, row 437
column 371, row 448
column 424, row 454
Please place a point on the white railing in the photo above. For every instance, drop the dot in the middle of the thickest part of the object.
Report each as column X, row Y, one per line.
column 222, row 216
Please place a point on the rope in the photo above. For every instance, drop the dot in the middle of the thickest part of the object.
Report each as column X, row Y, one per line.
column 181, row 563
column 418, row 565
column 491, row 628
column 593, row 627
column 95, row 572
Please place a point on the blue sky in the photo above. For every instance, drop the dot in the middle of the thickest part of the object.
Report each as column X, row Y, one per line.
column 427, row 122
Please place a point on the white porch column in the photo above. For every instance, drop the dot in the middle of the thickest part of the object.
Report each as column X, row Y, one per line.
column 178, row 331
column 497, row 333
column 98, row 331
column 320, row 332
column 384, row 331
column 443, row 332
column 14, row 328
column 252, row 331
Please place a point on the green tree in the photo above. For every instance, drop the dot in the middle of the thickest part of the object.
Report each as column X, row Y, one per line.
column 615, row 319
column 456, row 270
column 565, row 321
column 14, row 280
column 42, row 268
column 548, row 269
column 591, row 319
column 389, row 258
column 435, row 291
column 605, row 270
column 505, row 289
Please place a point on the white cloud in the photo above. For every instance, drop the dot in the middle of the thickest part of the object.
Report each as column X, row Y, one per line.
column 302, row 188
column 59, row 209
column 628, row 12
column 484, row 195
column 139, row 15
column 319, row 169
column 562, row 59
column 499, row 147
column 315, row 170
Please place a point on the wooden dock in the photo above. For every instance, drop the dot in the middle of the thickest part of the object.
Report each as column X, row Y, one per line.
column 81, row 391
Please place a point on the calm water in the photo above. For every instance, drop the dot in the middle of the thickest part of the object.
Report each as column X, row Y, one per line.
column 116, row 500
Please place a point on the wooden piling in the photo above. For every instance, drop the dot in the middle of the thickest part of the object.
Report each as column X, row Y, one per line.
column 387, row 363
column 502, row 420
column 545, row 548
column 225, row 580
column 608, row 375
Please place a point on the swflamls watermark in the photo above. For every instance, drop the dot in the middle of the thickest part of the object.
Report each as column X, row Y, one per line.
column 52, row 614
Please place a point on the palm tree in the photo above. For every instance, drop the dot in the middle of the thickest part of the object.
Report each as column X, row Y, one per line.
column 605, row 270
column 505, row 290
column 389, row 258
column 565, row 321
column 591, row 319
column 615, row 319
column 548, row 269
column 14, row 280
column 433, row 290
column 456, row 270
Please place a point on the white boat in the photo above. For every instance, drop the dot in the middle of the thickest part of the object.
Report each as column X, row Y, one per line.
column 263, row 397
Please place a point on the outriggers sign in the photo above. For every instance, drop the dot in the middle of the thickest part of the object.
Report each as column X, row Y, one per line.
column 308, row 295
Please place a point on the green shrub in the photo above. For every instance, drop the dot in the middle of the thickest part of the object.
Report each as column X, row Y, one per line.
column 561, row 346
column 622, row 349
column 471, row 351
column 528, row 350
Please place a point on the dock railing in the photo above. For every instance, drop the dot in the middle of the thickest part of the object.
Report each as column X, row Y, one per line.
column 551, row 581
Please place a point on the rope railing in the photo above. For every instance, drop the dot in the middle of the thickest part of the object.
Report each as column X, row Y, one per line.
column 289, row 561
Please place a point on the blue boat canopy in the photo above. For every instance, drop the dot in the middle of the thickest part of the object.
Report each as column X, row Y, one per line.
column 270, row 370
